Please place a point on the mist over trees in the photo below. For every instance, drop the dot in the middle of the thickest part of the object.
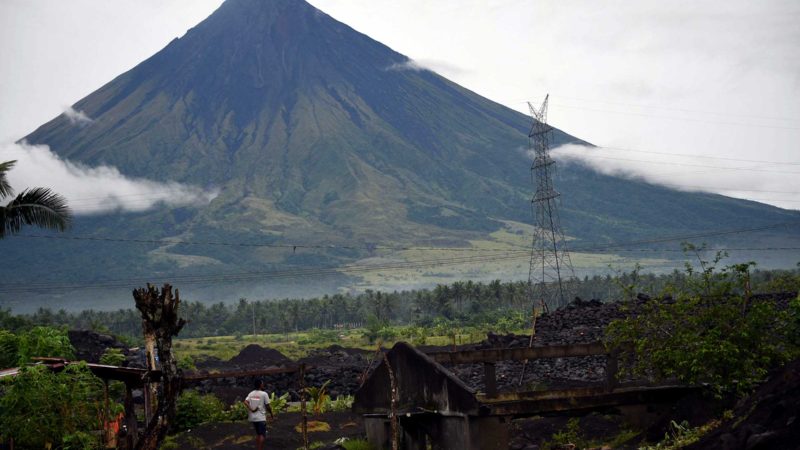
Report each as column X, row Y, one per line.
column 462, row 302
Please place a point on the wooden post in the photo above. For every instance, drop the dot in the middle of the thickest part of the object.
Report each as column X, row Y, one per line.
column 106, row 432
column 150, row 389
column 612, row 366
column 393, row 402
column 490, row 379
column 130, row 417
column 304, row 425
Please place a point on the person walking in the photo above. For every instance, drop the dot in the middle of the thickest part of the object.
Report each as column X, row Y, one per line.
column 257, row 403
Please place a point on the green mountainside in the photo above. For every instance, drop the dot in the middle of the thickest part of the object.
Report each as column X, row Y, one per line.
column 316, row 134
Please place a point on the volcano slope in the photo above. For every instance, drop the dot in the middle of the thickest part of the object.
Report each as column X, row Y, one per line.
column 317, row 135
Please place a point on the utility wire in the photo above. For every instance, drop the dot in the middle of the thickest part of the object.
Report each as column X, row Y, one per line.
column 661, row 163
column 302, row 246
column 625, row 149
column 361, row 268
column 668, row 108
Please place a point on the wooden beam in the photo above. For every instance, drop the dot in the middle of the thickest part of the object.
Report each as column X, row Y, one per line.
column 521, row 404
column 490, row 379
column 612, row 367
column 519, row 353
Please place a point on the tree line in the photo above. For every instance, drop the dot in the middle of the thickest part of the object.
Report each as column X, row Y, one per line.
column 462, row 302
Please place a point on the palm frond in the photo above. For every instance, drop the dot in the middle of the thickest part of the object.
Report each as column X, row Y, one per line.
column 5, row 188
column 36, row 206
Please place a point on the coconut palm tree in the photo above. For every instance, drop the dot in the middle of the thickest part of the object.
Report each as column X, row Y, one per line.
column 35, row 206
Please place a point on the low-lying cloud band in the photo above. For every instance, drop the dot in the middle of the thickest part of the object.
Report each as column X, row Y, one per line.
column 95, row 190
column 762, row 181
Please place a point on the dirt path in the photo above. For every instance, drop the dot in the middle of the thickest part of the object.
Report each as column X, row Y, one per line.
column 280, row 435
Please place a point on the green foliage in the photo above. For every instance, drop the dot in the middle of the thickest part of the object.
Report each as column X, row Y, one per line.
column 186, row 363
column 80, row 440
column 680, row 435
column 34, row 206
column 622, row 438
column 571, row 434
column 319, row 336
column 194, row 409
column 40, row 408
column 341, row 404
column 170, row 443
column 9, row 349
column 712, row 332
column 112, row 357
column 44, row 341
column 513, row 321
column 355, row 444
column 319, row 397
column 278, row 404
column 376, row 328
column 236, row 412
column 473, row 307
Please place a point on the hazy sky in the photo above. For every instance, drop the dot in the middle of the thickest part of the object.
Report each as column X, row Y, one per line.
column 651, row 82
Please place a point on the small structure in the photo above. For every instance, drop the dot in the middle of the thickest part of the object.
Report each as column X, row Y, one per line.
column 433, row 406
column 431, row 403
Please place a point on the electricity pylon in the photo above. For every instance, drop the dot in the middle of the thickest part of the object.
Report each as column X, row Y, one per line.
column 551, row 269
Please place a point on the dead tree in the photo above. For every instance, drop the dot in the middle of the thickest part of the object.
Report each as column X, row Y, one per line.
column 393, row 399
column 160, row 322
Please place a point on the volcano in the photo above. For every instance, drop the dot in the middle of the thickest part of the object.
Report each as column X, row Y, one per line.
column 317, row 134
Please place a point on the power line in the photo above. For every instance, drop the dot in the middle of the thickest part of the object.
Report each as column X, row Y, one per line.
column 749, row 169
column 624, row 149
column 295, row 246
column 303, row 273
column 299, row 245
column 685, row 119
column 261, row 275
column 667, row 108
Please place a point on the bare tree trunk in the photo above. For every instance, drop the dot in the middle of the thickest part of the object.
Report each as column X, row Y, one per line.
column 393, row 404
column 304, row 426
column 160, row 319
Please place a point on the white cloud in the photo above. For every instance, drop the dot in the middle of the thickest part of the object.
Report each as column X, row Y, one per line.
column 94, row 190
column 77, row 117
column 407, row 65
column 433, row 65
column 767, row 182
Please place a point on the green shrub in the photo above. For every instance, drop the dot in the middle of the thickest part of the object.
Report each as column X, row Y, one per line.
column 9, row 349
column 80, row 440
column 44, row 341
column 712, row 332
column 355, row 444
column 112, row 357
column 41, row 409
column 236, row 412
column 571, row 434
column 342, row 403
column 194, row 409
column 278, row 404
column 186, row 363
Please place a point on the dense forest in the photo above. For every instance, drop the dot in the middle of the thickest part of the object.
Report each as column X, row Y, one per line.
column 463, row 303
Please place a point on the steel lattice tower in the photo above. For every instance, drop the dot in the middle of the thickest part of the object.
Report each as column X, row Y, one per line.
column 551, row 268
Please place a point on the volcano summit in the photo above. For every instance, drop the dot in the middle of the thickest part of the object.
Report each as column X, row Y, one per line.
column 325, row 145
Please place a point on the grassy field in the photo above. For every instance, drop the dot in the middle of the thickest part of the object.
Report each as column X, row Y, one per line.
column 505, row 256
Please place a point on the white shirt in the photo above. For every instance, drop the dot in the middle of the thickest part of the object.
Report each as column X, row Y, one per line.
column 257, row 400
